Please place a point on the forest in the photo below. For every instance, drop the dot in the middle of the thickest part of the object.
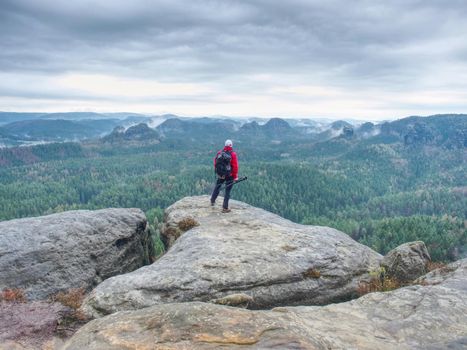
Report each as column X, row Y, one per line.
column 382, row 191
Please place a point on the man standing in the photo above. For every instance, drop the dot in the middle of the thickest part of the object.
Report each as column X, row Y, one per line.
column 226, row 168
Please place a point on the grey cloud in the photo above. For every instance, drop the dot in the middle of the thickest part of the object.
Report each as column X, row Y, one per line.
column 292, row 32
column 360, row 43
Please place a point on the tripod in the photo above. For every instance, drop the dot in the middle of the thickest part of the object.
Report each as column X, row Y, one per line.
column 233, row 182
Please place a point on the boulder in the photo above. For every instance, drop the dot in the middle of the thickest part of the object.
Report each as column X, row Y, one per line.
column 47, row 254
column 248, row 251
column 407, row 262
column 431, row 316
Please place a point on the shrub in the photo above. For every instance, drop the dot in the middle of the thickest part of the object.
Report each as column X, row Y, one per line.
column 431, row 265
column 13, row 295
column 379, row 282
column 171, row 235
column 311, row 273
column 187, row 223
column 72, row 298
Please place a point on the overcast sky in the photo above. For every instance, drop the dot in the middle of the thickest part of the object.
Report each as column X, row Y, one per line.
column 345, row 59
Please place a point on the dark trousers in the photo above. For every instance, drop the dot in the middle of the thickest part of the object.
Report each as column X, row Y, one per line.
column 229, row 184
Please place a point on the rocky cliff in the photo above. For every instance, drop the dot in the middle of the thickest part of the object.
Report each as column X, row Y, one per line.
column 295, row 281
column 428, row 315
column 269, row 260
column 73, row 249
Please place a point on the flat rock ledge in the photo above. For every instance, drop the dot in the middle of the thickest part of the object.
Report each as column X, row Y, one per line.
column 270, row 260
column 74, row 249
column 429, row 316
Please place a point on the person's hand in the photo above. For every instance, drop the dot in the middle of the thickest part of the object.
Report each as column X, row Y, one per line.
column 236, row 179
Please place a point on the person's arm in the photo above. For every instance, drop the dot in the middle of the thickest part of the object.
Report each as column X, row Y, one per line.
column 234, row 164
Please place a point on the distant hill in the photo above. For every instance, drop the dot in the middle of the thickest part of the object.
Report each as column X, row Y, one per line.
column 274, row 130
column 438, row 130
column 449, row 130
column 367, row 130
column 339, row 124
column 329, row 131
column 10, row 117
column 59, row 129
column 140, row 132
column 125, row 115
column 251, row 127
column 6, row 139
column 201, row 128
column 442, row 131
column 100, row 126
column 74, row 116
column 40, row 153
column 277, row 126
column 216, row 131
column 174, row 125
column 135, row 120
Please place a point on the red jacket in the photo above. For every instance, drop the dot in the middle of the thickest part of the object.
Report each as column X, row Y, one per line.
column 233, row 162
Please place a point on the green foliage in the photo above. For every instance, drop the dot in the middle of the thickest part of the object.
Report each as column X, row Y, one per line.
column 155, row 216
column 378, row 190
column 445, row 237
column 159, row 247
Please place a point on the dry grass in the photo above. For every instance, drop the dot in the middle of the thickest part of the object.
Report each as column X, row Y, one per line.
column 172, row 233
column 187, row 223
column 288, row 248
column 430, row 266
column 311, row 273
column 376, row 285
column 13, row 296
column 72, row 298
column 442, row 268
column 38, row 323
column 379, row 282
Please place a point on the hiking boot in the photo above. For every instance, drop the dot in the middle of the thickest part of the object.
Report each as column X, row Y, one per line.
column 212, row 204
column 226, row 210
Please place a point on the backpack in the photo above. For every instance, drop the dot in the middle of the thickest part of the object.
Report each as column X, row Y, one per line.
column 223, row 167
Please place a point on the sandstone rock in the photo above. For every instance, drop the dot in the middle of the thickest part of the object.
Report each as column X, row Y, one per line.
column 407, row 261
column 73, row 249
column 11, row 345
column 238, row 300
column 439, row 275
column 250, row 251
column 414, row 317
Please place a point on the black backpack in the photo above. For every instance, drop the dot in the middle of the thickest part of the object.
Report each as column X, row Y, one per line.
column 223, row 167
